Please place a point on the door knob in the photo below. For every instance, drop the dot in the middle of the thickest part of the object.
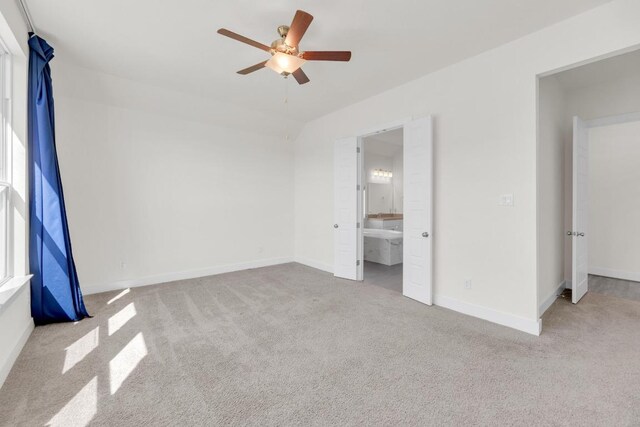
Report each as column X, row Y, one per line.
column 569, row 233
column 335, row 225
column 425, row 234
column 581, row 234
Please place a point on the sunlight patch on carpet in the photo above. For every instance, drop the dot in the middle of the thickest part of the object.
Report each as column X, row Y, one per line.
column 80, row 410
column 80, row 349
column 123, row 364
column 120, row 295
column 121, row 318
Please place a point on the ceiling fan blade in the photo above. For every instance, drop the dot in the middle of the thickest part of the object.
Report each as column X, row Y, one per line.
column 300, row 76
column 252, row 68
column 298, row 27
column 317, row 55
column 243, row 39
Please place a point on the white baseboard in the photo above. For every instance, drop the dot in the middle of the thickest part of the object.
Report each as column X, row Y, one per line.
column 501, row 318
column 516, row 322
column 15, row 352
column 182, row 275
column 616, row 274
column 314, row 264
column 529, row 326
column 544, row 306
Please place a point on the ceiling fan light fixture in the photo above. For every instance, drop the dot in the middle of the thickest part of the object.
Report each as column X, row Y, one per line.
column 283, row 63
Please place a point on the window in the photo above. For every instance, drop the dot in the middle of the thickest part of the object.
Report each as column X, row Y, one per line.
column 5, row 170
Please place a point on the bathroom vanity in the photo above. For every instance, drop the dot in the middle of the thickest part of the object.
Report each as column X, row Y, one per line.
column 383, row 239
column 383, row 246
column 384, row 221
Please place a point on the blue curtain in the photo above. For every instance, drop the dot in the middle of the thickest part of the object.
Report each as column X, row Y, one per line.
column 55, row 292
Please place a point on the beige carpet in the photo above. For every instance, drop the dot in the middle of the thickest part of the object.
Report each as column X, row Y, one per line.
column 289, row 345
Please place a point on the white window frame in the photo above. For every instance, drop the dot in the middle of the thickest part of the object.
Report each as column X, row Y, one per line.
column 5, row 158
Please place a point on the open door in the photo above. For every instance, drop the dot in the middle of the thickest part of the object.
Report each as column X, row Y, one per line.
column 346, row 222
column 417, row 210
column 580, row 270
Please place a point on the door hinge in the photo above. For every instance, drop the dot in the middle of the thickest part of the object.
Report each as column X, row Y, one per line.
column 358, row 262
column 357, row 225
column 358, row 150
column 358, row 187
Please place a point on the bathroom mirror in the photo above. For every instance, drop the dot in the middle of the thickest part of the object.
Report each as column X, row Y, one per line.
column 380, row 198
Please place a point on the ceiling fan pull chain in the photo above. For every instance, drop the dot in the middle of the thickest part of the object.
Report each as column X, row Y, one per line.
column 286, row 109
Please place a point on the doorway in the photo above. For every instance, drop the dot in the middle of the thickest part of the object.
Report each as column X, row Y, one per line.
column 588, row 151
column 382, row 201
column 607, row 203
column 417, row 206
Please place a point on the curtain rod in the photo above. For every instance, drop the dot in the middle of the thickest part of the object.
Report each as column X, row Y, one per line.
column 27, row 17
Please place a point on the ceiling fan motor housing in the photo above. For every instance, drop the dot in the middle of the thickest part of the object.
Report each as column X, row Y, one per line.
column 279, row 45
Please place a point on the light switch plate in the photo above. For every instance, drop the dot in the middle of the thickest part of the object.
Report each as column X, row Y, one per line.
column 506, row 200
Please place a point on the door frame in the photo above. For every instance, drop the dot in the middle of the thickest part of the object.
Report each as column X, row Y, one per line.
column 397, row 124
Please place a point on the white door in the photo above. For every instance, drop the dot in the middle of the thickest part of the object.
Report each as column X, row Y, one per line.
column 417, row 210
column 345, row 236
column 580, row 270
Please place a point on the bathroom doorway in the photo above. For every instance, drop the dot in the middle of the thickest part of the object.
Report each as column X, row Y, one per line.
column 415, row 204
column 382, row 202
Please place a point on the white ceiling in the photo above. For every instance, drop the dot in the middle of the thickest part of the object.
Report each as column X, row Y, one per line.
column 174, row 44
column 621, row 67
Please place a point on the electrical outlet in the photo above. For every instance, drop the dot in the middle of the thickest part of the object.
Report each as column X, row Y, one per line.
column 467, row 284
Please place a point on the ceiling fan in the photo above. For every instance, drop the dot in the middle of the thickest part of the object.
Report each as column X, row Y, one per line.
column 286, row 57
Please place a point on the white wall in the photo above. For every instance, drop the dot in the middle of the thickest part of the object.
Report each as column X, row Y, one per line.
column 398, row 182
column 552, row 134
column 614, row 201
column 15, row 311
column 16, row 325
column 609, row 98
column 153, row 197
column 485, row 145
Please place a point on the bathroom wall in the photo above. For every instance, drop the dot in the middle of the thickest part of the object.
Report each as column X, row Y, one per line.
column 398, row 180
column 379, row 194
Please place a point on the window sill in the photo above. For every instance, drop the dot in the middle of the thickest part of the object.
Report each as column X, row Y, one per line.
column 11, row 289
